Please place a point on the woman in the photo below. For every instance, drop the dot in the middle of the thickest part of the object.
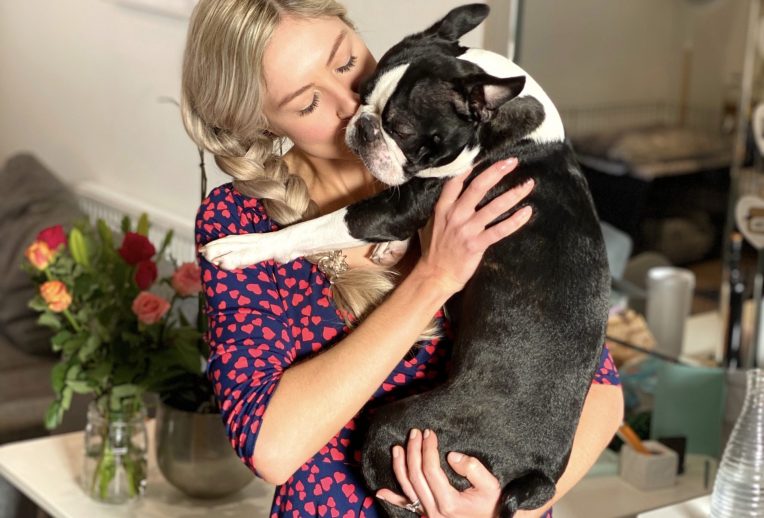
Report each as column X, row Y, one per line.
column 257, row 72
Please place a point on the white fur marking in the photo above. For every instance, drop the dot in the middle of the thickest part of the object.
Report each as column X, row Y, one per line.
column 551, row 129
column 457, row 166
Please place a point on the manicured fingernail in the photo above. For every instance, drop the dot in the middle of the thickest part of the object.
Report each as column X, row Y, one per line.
column 381, row 498
column 413, row 433
column 426, row 433
column 529, row 183
column 508, row 164
column 396, row 451
column 456, row 457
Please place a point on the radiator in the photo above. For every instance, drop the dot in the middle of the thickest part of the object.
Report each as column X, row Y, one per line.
column 98, row 201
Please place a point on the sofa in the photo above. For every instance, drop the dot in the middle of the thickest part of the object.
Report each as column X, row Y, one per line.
column 31, row 198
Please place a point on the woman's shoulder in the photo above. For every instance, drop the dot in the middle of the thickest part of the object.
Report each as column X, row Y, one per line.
column 225, row 211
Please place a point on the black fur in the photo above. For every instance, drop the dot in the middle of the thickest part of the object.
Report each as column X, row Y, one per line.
column 531, row 321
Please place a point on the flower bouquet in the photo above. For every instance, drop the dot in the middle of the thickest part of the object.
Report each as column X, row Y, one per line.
column 121, row 332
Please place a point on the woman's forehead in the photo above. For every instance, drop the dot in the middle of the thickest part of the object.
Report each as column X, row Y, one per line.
column 297, row 47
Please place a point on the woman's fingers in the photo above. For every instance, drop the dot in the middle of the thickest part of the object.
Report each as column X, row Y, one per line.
column 474, row 471
column 415, row 475
column 504, row 228
column 502, row 203
column 479, row 186
column 444, row 493
column 451, row 190
column 399, row 468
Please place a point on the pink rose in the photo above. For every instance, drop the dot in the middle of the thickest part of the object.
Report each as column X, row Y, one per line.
column 187, row 279
column 56, row 296
column 39, row 254
column 150, row 308
column 54, row 237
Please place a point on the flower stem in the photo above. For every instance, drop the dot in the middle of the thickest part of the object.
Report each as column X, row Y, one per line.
column 74, row 323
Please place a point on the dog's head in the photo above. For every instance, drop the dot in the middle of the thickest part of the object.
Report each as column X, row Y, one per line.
column 421, row 110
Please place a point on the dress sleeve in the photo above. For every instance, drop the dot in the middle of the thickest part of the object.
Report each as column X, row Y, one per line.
column 249, row 340
column 606, row 373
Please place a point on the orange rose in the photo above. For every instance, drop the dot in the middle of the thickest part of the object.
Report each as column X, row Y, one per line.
column 187, row 279
column 56, row 295
column 150, row 308
column 39, row 254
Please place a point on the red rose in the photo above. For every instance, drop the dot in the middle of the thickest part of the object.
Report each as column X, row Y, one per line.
column 149, row 308
column 145, row 274
column 136, row 248
column 187, row 280
column 54, row 237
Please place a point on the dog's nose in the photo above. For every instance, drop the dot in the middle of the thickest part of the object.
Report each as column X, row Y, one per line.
column 366, row 129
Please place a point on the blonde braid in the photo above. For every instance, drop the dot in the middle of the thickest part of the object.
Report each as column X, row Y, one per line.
column 222, row 112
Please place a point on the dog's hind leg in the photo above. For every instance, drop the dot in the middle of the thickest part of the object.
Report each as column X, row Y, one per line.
column 529, row 491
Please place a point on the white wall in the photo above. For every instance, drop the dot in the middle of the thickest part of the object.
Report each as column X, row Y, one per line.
column 81, row 79
column 592, row 52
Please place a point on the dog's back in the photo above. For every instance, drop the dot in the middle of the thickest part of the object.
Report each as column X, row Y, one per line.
column 530, row 322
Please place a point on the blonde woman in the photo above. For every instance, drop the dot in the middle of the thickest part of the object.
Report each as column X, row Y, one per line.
column 295, row 385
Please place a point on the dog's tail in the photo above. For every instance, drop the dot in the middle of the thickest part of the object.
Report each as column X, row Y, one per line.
column 529, row 491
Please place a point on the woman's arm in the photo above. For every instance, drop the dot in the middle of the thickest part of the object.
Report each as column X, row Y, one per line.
column 324, row 392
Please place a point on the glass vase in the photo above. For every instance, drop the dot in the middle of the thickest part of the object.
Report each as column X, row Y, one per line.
column 116, row 448
column 739, row 487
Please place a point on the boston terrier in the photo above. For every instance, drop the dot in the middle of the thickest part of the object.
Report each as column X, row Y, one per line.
column 530, row 323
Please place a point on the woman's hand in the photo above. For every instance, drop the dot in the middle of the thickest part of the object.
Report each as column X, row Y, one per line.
column 422, row 479
column 455, row 238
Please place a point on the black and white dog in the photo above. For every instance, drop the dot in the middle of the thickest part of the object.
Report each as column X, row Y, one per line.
column 531, row 321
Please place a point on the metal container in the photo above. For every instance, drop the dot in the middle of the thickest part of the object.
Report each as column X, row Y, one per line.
column 194, row 454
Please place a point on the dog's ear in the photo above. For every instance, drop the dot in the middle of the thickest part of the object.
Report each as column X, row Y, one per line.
column 459, row 21
column 483, row 94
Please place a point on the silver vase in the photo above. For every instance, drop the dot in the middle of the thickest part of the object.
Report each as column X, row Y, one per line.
column 194, row 454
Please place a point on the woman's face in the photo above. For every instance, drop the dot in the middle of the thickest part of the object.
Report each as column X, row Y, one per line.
column 312, row 71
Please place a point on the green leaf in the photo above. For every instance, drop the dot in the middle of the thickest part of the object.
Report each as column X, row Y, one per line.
column 78, row 248
column 80, row 387
column 53, row 415
column 126, row 224
column 66, row 398
column 72, row 346
column 143, row 225
column 87, row 350
column 106, row 235
column 48, row 319
column 165, row 242
column 58, row 376
column 37, row 303
column 59, row 339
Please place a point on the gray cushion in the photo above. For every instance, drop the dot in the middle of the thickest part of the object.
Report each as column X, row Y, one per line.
column 32, row 198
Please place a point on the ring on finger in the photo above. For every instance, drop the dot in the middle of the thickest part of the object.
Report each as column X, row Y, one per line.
column 415, row 507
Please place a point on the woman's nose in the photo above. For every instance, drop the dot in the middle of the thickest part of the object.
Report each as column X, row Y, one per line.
column 348, row 104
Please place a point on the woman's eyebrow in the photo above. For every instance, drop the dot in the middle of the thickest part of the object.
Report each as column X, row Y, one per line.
column 335, row 47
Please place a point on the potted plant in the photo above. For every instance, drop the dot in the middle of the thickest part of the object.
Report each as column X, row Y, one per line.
column 120, row 335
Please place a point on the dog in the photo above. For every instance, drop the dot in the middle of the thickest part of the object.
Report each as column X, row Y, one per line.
column 531, row 320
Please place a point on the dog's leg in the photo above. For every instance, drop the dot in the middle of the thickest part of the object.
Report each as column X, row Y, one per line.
column 529, row 491
column 392, row 215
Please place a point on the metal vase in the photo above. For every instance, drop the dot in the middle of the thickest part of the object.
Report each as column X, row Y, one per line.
column 195, row 455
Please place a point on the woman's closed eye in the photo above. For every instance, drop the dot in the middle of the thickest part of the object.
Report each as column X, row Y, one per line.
column 342, row 70
column 310, row 108
column 347, row 66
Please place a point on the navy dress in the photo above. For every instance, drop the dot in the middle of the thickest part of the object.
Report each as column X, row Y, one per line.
column 265, row 317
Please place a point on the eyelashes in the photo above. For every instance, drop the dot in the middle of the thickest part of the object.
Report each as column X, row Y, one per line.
column 343, row 69
column 310, row 108
column 350, row 64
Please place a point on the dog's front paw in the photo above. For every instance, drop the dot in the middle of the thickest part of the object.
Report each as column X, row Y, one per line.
column 389, row 252
column 237, row 251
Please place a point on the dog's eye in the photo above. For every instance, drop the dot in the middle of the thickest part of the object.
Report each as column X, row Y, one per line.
column 403, row 132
